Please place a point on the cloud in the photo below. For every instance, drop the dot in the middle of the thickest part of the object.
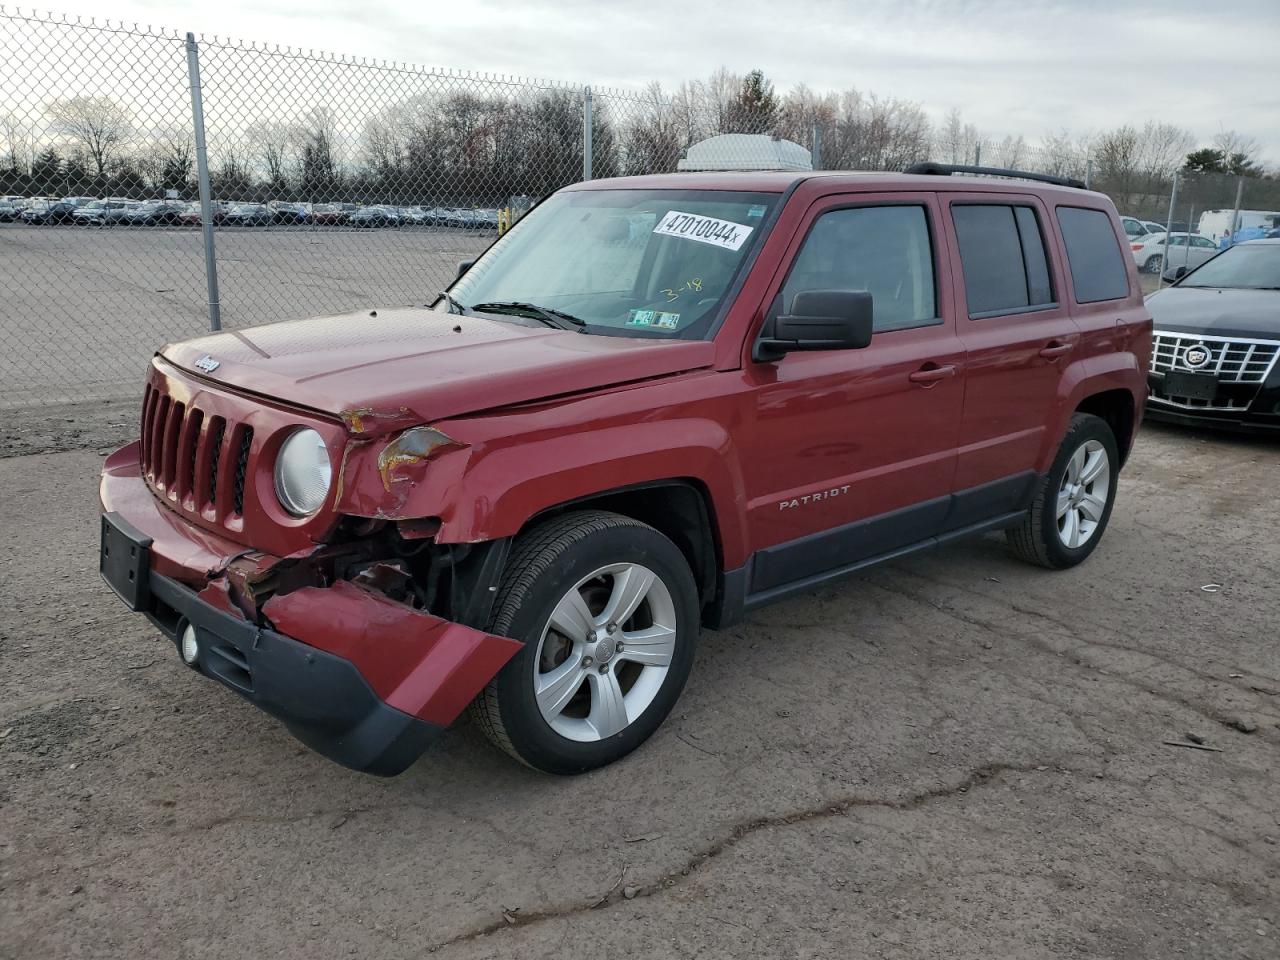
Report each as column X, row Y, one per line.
column 1012, row 67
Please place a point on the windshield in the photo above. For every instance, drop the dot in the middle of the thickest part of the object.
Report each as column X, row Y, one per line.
column 1251, row 266
column 626, row 262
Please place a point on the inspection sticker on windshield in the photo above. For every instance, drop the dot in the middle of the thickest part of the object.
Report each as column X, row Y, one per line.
column 655, row 319
column 719, row 233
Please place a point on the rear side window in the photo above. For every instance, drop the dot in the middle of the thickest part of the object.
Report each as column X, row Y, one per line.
column 1002, row 252
column 1097, row 268
column 885, row 251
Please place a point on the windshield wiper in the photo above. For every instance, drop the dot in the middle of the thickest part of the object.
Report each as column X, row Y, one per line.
column 454, row 305
column 551, row 317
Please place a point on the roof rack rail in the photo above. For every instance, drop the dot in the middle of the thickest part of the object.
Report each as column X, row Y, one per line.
column 930, row 168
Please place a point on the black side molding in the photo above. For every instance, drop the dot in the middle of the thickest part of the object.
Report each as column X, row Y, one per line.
column 932, row 169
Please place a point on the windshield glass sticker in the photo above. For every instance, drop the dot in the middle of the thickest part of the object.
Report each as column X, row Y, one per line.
column 654, row 319
column 690, row 226
column 640, row 318
column 756, row 210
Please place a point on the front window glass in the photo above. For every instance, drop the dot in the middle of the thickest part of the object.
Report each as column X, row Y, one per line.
column 625, row 262
column 884, row 251
column 1250, row 266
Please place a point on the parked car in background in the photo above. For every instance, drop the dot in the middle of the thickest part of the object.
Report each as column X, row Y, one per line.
column 249, row 215
column 102, row 213
column 1153, row 227
column 288, row 213
column 46, row 212
column 363, row 524
column 1172, row 254
column 151, row 213
column 374, row 216
column 1217, row 340
column 191, row 216
column 11, row 208
column 332, row 213
column 1133, row 227
column 414, row 216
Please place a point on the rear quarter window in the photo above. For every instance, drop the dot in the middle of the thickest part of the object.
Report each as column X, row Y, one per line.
column 1097, row 267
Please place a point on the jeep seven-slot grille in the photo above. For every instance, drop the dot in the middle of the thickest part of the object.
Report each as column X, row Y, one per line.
column 198, row 463
column 242, row 467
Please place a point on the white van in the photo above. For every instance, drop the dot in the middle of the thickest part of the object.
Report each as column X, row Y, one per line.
column 1214, row 223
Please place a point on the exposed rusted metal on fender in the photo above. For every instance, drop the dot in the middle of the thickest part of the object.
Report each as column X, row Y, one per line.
column 359, row 419
column 418, row 663
column 411, row 447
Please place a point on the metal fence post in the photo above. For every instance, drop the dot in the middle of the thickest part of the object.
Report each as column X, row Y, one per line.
column 1088, row 174
column 586, row 133
column 817, row 147
column 1168, row 229
column 1235, row 214
column 202, row 174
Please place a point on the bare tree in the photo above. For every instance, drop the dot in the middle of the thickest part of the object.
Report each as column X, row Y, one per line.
column 660, row 132
column 717, row 94
column 957, row 141
column 275, row 145
column 801, row 112
column 19, row 143
column 1231, row 142
column 1063, row 155
column 97, row 124
column 1011, row 152
column 877, row 133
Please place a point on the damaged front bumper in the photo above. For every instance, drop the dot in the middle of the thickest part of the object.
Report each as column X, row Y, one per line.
column 362, row 679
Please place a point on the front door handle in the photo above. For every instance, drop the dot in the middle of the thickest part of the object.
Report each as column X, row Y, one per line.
column 1056, row 349
column 931, row 373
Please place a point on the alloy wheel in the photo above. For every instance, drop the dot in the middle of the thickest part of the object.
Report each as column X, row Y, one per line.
column 1082, row 494
column 604, row 652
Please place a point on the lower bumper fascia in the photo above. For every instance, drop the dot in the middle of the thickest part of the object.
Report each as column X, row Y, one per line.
column 1234, row 423
column 322, row 699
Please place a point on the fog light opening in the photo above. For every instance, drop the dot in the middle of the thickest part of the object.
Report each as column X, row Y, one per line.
column 190, row 646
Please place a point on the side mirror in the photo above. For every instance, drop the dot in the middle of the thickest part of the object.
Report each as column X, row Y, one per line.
column 819, row 320
column 463, row 267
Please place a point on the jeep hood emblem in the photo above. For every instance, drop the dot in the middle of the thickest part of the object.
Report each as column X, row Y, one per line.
column 207, row 364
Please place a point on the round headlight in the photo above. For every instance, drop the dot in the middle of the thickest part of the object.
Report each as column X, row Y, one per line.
column 303, row 473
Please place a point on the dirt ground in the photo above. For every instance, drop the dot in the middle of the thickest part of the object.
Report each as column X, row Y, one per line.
column 955, row 756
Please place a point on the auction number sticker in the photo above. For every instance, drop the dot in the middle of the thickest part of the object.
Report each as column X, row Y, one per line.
column 718, row 233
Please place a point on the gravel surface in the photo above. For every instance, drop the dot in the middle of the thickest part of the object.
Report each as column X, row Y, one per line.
column 954, row 756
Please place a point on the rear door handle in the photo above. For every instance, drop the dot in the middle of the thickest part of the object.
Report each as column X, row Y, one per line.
column 932, row 373
column 1056, row 349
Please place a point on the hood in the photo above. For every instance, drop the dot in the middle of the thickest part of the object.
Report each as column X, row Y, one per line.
column 1214, row 311
column 387, row 368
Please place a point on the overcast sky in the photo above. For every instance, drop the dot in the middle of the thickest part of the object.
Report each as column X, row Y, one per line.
column 1012, row 66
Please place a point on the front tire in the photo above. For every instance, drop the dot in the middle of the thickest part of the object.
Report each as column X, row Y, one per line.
column 1073, row 501
column 607, row 609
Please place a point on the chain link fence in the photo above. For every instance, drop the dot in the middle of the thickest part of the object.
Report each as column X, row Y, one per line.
column 333, row 184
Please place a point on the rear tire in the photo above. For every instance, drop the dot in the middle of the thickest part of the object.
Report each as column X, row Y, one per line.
column 1073, row 501
column 607, row 609
column 1153, row 264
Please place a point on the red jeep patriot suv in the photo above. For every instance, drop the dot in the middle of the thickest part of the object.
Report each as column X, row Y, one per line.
column 655, row 404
